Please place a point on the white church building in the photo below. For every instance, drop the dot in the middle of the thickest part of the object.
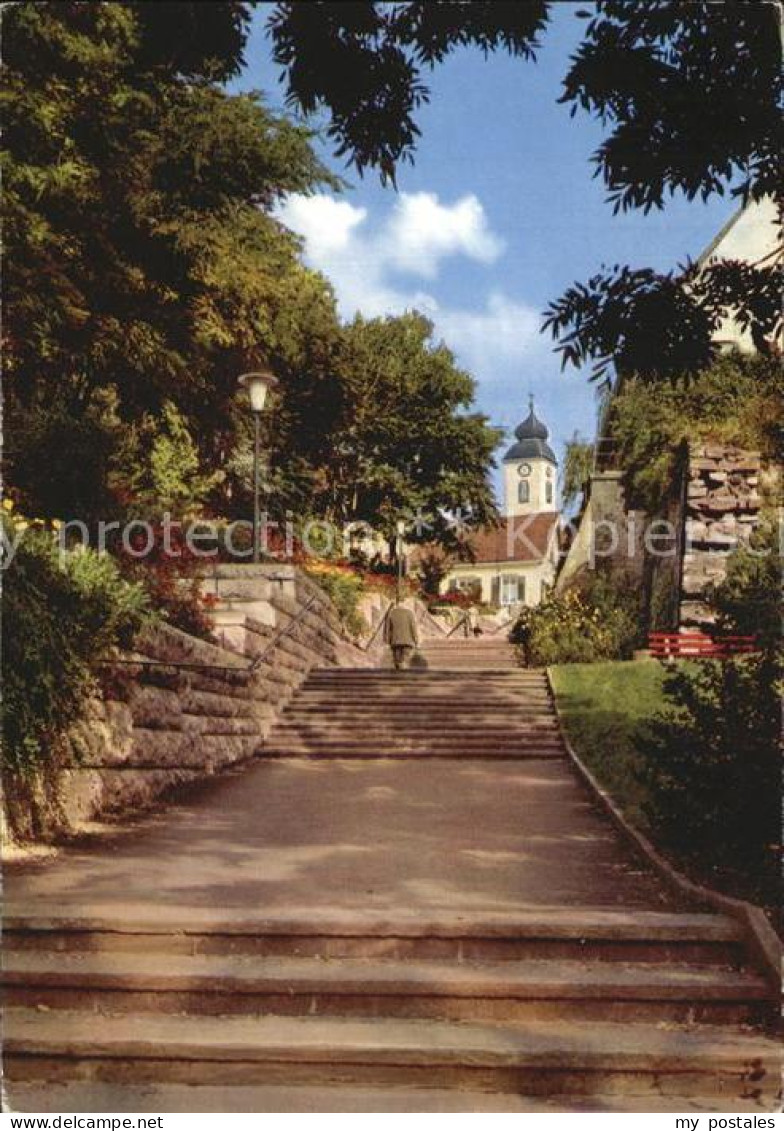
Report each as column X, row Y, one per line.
column 515, row 562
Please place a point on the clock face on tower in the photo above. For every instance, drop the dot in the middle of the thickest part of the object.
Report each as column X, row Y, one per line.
column 523, row 469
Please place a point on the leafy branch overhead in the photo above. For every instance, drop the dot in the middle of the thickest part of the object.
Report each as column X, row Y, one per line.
column 689, row 94
column 363, row 62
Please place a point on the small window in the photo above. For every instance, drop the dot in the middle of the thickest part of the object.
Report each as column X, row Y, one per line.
column 512, row 589
column 523, row 491
column 469, row 585
column 548, row 492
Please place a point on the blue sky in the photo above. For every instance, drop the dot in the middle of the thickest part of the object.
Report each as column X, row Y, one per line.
column 498, row 215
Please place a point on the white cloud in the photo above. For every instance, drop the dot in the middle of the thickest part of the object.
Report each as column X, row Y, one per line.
column 326, row 224
column 365, row 266
column 502, row 332
column 422, row 231
column 377, row 267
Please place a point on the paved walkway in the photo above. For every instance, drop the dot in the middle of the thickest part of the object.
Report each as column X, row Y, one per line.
column 415, row 835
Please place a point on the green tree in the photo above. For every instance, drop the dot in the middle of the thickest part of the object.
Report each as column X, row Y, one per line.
column 737, row 399
column 577, row 469
column 748, row 600
column 403, row 441
column 157, row 467
column 61, row 620
column 142, row 260
column 712, row 771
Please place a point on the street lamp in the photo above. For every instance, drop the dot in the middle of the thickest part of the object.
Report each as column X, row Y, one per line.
column 401, row 529
column 258, row 385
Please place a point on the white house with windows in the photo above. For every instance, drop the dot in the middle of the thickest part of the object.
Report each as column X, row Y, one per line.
column 515, row 562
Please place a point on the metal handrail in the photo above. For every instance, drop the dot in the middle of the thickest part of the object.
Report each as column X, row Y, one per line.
column 501, row 627
column 463, row 620
column 283, row 632
column 366, row 647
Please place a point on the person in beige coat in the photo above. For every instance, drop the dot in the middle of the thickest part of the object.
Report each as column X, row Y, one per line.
column 401, row 634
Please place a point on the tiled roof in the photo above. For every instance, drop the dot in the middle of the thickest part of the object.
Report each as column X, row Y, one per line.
column 524, row 538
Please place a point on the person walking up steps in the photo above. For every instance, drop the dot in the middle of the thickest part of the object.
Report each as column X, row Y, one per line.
column 401, row 634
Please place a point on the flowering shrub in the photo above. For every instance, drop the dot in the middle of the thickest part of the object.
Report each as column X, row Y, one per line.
column 171, row 574
column 344, row 588
column 456, row 599
column 569, row 628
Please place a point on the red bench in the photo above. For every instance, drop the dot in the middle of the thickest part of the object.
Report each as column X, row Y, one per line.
column 691, row 645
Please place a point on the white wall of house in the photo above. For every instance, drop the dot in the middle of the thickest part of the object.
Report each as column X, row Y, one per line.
column 504, row 583
column 753, row 236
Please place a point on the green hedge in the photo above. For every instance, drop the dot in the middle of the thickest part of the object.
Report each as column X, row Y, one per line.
column 60, row 621
column 711, row 771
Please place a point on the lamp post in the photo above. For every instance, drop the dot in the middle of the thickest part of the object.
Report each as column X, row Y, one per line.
column 258, row 385
column 401, row 529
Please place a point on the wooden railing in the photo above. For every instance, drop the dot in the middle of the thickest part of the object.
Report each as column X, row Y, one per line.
column 698, row 645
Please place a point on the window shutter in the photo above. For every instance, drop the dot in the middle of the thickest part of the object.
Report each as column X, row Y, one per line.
column 496, row 591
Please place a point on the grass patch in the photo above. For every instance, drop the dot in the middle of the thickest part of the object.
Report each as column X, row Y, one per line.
column 602, row 707
column 606, row 709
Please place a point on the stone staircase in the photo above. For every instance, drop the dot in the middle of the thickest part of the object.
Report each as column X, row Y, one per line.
column 581, row 987
column 476, row 653
column 419, row 714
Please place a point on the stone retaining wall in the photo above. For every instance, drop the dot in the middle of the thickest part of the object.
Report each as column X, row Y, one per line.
column 180, row 709
column 723, row 501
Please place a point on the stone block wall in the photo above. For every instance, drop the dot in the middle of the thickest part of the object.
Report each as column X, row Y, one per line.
column 723, row 500
column 180, row 709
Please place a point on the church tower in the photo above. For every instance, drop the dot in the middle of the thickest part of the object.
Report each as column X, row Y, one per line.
column 530, row 470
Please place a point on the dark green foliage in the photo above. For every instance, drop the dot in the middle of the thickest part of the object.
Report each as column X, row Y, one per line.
column 661, row 326
column 384, row 48
column 577, row 469
column 712, row 768
column 737, row 400
column 59, row 624
column 142, row 264
column 748, row 600
column 690, row 95
column 380, row 468
column 637, row 320
column 431, row 569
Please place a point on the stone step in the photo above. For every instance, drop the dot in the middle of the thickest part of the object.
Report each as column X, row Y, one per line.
column 316, row 725
column 470, row 711
column 99, row 1096
column 389, row 750
column 366, row 697
column 417, row 677
column 423, row 741
column 539, row 1058
column 469, row 991
column 395, row 716
column 452, row 665
column 318, row 722
column 524, row 935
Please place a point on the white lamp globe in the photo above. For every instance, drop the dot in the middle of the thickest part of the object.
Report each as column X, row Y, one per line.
column 258, row 385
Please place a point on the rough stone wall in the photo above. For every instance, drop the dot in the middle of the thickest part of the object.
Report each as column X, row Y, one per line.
column 608, row 535
column 180, row 709
column 723, row 501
